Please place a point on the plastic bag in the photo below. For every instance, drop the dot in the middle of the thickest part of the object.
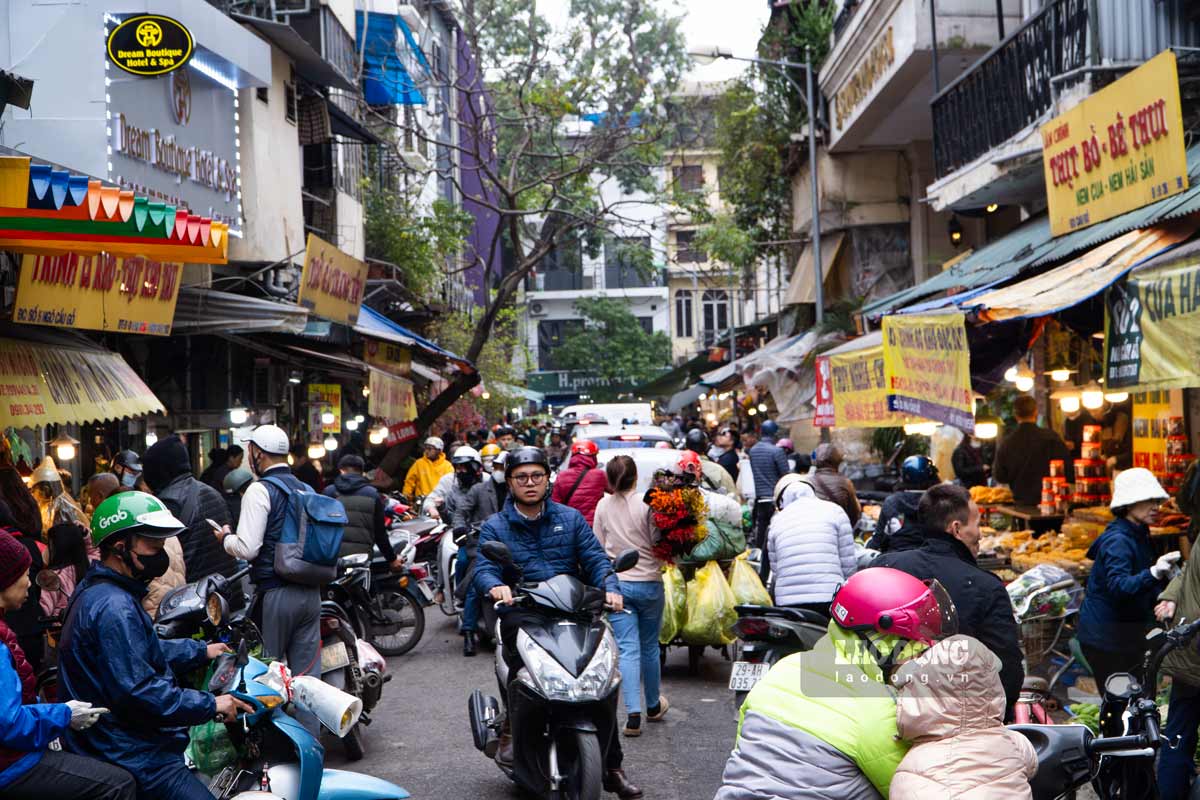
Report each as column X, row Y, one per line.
column 209, row 746
column 675, row 604
column 710, row 607
column 746, row 586
column 722, row 543
column 1029, row 600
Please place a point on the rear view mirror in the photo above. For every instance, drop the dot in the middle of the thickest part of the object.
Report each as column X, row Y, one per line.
column 498, row 552
column 627, row 560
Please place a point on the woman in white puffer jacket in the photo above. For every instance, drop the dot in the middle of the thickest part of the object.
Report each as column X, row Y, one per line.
column 810, row 546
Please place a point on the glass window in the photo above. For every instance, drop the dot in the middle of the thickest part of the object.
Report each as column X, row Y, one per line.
column 688, row 178
column 715, row 311
column 684, row 252
column 684, row 314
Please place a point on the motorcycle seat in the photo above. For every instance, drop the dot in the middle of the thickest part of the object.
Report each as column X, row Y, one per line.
column 794, row 614
column 1033, row 683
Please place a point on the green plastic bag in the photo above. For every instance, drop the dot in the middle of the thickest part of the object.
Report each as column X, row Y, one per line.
column 209, row 746
column 710, row 607
column 746, row 586
column 675, row 605
column 723, row 542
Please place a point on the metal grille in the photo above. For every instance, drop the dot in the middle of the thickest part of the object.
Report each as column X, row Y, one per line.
column 1009, row 88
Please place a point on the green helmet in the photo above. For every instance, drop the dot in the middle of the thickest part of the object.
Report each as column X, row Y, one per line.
column 134, row 512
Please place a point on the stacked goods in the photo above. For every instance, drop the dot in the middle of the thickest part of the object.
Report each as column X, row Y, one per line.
column 1178, row 457
column 991, row 495
column 1056, row 493
column 1092, row 486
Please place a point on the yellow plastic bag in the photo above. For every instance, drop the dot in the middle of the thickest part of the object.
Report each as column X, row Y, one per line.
column 675, row 605
column 746, row 586
column 710, row 604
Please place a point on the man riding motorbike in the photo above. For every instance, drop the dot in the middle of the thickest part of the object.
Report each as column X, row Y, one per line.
column 467, row 473
column 546, row 539
column 111, row 657
column 917, row 473
column 822, row 723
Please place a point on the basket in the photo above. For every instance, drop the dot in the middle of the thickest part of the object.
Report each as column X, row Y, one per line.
column 1038, row 637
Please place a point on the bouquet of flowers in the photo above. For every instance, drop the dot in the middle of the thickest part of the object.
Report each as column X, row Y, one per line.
column 677, row 510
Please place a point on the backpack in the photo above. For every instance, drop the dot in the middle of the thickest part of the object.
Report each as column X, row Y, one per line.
column 308, row 546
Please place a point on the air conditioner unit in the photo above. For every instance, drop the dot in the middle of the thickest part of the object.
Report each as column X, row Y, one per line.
column 537, row 310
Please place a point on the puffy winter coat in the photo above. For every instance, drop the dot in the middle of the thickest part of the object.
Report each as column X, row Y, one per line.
column 1121, row 593
column 811, row 548
column 983, row 605
column 423, row 475
column 586, row 496
column 951, row 708
column 1184, row 591
column 173, row 578
column 110, row 656
column 768, row 463
column 820, row 725
column 559, row 542
column 26, row 728
column 364, row 512
column 831, row 485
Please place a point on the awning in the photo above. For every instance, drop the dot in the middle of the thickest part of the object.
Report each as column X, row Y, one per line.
column 677, row 379
column 343, row 124
column 54, row 384
column 520, row 391
column 386, row 81
column 801, row 288
column 1082, row 278
column 681, row 400
column 308, row 62
column 731, row 373
column 210, row 311
column 1031, row 245
column 372, row 323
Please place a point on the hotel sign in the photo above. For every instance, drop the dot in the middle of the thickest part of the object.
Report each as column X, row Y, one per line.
column 878, row 61
column 149, row 45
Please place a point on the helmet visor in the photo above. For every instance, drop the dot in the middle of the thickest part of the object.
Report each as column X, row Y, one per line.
column 930, row 617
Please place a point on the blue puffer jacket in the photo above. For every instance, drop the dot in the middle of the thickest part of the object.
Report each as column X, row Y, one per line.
column 557, row 543
column 111, row 657
column 768, row 463
column 1119, row 605
column 25, row 730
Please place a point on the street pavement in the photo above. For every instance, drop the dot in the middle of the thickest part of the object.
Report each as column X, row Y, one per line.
column 420, row 738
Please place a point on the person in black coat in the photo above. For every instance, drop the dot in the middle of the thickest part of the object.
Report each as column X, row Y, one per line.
column 943, row 546
column 972, row 462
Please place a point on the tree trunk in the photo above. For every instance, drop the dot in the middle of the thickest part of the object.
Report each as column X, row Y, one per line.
column 396, row 454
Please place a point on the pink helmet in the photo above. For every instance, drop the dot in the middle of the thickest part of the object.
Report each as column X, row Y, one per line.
column 895, row 603
column 786, row 444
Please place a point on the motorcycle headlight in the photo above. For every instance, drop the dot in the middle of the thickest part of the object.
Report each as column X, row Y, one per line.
column 551, row 679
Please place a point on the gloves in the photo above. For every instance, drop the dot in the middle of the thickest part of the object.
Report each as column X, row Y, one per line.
column 1162, row 568
column 84, row 715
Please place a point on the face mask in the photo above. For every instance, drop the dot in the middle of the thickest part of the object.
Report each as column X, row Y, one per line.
column 128, row 478
column 465, row 480
column 154, row 566
column 498, row 476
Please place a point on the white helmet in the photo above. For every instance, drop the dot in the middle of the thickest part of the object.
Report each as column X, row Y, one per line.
column 1135, row 485
column 434, row 441
column 465, row 454
column 270, row 439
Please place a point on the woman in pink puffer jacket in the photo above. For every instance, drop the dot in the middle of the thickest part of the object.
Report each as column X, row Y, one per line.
column 951, row 708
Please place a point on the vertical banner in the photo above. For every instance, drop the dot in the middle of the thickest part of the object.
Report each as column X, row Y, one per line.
column 1152, row 328
column 825, row 416
column 391, row 398
column 927, row 367
column 324, row 397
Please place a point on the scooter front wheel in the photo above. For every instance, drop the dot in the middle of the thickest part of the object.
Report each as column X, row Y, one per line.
column 353, row 744
column 580, row 761
column 396, row 623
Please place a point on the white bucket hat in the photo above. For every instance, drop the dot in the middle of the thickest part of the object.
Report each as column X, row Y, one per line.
column 1135, row 485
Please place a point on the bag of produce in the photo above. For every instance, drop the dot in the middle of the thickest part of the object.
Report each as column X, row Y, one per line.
column 675, row 605
column 723, row 542
column 209, row 746
column 710, row 607
column 746, row 586
column 1029, row 600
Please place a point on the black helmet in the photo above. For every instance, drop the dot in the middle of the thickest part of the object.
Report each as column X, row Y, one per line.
column 129, row 460
column 696, row 441
column 770, row 429
column 918, row 471
column 505, row 430
column 525, row 455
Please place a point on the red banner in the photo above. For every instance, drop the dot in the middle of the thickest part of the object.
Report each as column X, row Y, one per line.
column 824, row 401
column 401, row 432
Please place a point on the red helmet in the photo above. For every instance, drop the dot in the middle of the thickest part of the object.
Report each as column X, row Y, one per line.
column 689, row 463
column 584, row 447
column 893, row 602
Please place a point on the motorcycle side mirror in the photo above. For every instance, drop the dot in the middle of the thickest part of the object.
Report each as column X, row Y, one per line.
column 627, row 560
column 48, row 580
column 498, row 552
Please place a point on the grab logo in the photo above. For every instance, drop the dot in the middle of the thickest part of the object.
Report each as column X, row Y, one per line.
column 113, row 519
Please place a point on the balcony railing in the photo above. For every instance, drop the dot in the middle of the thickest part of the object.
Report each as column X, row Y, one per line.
column 1009, row 88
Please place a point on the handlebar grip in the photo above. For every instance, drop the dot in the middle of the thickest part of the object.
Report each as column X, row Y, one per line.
column 241, row 573
column 1113, row 743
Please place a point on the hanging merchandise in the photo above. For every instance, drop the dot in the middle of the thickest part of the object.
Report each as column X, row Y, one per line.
column 710, row 607
column 674, row 604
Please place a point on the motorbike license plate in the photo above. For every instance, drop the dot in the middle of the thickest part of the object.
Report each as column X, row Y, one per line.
column 744, row 675
column 334, row 656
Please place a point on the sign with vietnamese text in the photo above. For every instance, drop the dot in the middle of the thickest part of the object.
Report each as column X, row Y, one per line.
column 391, row 398
column 323, row 397
column 401, row 432
column 332, row 283
column 1120, row 149
column 149, row 45
column 388, row 356
column 859, row 391
column 927, row 367
column 98, row 292
column 1152, row 328
column 825, row 416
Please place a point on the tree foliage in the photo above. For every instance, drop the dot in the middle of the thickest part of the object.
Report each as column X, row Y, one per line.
column 614, row 345
column 418, row 244
column 502, row 363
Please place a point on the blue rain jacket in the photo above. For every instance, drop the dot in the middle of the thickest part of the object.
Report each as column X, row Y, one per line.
column 557, row 543
column 27, row 729
column 110, row 656
column 1118, row 607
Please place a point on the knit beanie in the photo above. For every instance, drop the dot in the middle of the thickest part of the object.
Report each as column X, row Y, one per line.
column 14, row 560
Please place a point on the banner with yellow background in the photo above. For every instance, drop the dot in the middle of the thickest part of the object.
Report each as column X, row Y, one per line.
column 391, row 398
column 332, row 283
column 859, row 392
column 927, row 367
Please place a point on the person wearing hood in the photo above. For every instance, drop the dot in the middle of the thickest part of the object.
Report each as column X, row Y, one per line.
column 810, row 546
column 951, row 709
column 1125, row 580
column 581, row 484
column 167, row 470
column 111, row 657
column 830, row 484
column 943, row 546
column 427, row 470
column 470, row 500
column 365, row 526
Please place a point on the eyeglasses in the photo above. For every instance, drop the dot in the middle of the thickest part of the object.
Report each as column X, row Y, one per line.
column 530, row 479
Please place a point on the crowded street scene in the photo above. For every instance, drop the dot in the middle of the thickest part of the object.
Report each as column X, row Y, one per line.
column 581, row 399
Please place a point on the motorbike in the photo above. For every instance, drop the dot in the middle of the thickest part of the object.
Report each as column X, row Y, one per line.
column 455, row 593
column 279, row 759
column 562, row 701
column 766, row 635
column 1119, row 763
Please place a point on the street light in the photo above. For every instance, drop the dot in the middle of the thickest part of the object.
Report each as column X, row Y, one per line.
column 707, row 54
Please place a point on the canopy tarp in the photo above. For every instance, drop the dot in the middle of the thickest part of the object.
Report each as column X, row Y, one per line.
column 372, row 323
column 680, row 400
column 200, row 310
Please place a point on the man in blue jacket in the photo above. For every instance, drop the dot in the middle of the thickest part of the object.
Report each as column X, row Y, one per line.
column 111, row 657
column 545, row 539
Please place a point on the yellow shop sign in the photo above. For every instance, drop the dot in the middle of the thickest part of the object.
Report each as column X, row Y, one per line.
column 332, row 284
column 1120, row 149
